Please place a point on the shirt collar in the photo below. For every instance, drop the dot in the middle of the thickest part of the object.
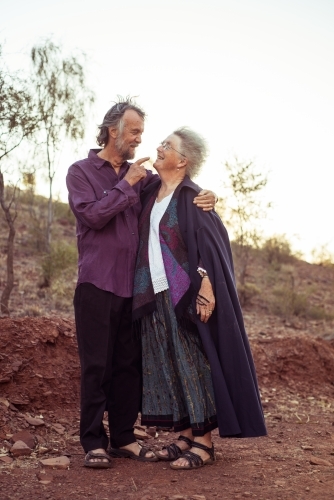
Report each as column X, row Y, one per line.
column 99, row 162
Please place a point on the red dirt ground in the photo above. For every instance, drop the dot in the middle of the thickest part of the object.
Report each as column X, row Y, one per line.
column 39, row 377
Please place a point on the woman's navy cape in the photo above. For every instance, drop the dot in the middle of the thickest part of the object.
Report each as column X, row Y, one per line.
column 239, row 410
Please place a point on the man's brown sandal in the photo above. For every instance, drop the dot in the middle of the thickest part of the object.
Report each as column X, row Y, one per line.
column 194, row 460
column 100, row 464
column 122, row 453
column 173, row 450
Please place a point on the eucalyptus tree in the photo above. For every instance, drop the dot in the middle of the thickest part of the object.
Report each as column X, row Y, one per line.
column 62, row 101
column 17, row 123
column 246, row 209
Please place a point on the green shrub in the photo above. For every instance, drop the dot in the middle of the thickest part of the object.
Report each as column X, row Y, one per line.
column 247, row 292
column 63, row 211
column 323, row 256
column 286, row 302
column 61, row 257
column 277, row 250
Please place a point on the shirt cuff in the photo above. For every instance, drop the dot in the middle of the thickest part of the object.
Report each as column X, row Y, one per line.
column 128, row 190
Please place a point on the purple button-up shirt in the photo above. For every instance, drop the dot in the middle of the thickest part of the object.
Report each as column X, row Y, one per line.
column 106, row 208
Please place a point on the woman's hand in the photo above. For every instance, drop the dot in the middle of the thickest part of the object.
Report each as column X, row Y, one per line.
column 205, row 302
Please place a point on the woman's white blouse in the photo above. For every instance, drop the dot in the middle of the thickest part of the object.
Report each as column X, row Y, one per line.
column 157, row 268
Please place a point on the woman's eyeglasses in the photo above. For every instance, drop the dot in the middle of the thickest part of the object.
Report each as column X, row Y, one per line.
column 166, row 146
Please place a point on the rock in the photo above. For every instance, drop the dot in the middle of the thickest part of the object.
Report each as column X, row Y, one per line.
column 56, row 463
column 26, row 437
column 320, row 461
column 73, row 432
column 44, row 478
column 140, row 427
column 139, row 434
column 4, row 401
column 40, row 439
column 42, row 450
column 151, row 431
column 58, row 428
column 35, row 421
column 6, row 460
column 307, row 448
column 20, row 449
column 177, row 497
column 197, row 497
column 63, row 421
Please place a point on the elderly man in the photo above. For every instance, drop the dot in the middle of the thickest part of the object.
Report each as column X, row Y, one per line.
column 104, row 195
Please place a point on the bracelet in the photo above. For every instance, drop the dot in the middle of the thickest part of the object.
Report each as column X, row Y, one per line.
column 202, row 272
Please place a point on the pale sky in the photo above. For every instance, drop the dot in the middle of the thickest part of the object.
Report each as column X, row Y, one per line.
column 255, row 77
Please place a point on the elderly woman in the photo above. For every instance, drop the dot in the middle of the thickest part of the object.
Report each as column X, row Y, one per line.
column 198, row 371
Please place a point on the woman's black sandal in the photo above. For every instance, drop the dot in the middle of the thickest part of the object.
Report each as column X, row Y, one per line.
column 173, row 450
column 194, row 460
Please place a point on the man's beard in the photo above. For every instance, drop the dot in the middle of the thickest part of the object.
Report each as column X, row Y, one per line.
column 124, row 150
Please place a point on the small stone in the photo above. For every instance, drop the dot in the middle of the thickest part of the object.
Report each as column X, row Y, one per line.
column 26, row 437
column 44, row 478
column 73, row 432
column 42, row 450
column 56, row 463
column 19, row 449
column 58, row 428
column 40, row 439
column 247, row 494
column 320, row 461
column 63, row 421
column 6, row 460
column 140, row 427
column 307, row 447
column 139, row 434
column 35, row 421
column 151, row 431
column 198, row 497
column 177, row 497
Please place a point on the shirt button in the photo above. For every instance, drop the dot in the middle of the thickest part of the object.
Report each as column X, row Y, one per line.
column 132, row 233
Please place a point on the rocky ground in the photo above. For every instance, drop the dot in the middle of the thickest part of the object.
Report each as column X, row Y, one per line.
column 40, row 454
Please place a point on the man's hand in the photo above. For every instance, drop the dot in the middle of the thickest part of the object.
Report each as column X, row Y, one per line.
column 136, row 172
column 206, row 200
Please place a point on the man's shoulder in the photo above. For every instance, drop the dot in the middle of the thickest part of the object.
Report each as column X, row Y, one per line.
column 83, row 165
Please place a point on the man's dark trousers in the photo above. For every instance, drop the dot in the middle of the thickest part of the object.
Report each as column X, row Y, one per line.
column 110, row 356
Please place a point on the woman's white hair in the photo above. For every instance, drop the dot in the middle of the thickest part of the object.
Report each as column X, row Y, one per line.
column 194, row 147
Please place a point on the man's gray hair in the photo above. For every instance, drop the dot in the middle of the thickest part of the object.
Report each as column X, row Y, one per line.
column 194, row 147
column 114, row 118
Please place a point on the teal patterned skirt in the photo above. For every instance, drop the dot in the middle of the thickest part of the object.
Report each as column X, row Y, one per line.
column 177, row 384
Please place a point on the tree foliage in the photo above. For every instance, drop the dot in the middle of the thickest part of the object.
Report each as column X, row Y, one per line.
column 246, row 209
column 17, row 122
column 62, row 100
